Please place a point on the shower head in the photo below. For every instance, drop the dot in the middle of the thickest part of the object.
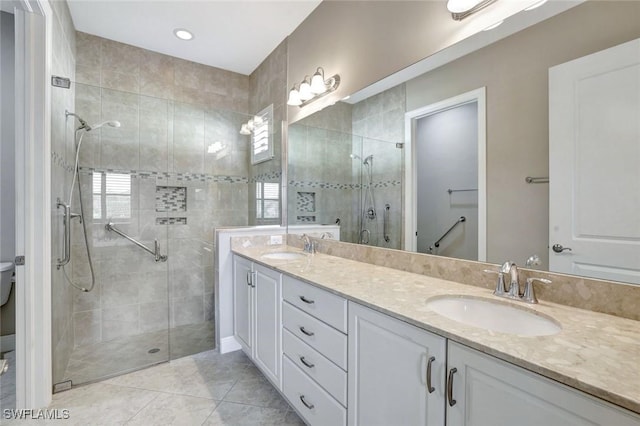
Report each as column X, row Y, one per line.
column 83, row 124
column 367, row 160
column 111, row 123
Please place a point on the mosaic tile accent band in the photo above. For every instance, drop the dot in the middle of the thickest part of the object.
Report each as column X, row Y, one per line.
column 59, row 160
column 171, row 199
column 306, row 201
column 171, row 221
column 333, row 185
column 305, row 219
column 177, row 176
column 267, row 177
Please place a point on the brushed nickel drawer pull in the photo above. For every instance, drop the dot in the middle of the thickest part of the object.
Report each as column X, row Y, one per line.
column 306, row 363
column 452, row 401
column 308, row 333
column 429, row 362
column 308, row 301
column 306, row 404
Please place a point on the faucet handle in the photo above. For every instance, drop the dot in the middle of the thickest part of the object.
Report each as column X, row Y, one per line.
column 499, row 291
column 529, row 295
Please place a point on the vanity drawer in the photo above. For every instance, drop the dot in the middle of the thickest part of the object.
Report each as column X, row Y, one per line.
column 320, row 303
column 315, row 365
column 326, row 340
column 313, row 403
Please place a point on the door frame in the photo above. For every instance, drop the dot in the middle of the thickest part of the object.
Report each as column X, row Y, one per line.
column 33, row 30
column 411, row 186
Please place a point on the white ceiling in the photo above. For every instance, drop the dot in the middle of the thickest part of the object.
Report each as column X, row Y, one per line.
column 236, row 35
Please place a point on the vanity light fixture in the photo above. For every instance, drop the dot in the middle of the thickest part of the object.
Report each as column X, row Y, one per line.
column 183, row 34
column 460, row 9
column 310, row 90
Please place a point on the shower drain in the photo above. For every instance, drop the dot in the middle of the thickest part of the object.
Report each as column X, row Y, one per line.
column 154, row 350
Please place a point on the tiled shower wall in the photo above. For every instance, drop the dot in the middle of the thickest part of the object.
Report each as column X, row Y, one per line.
column 179, row 128
column 380, row 121
column 319, row 164
column 267, row 86
column 63, row 64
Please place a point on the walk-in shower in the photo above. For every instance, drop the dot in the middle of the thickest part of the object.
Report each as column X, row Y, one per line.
column 68, row 215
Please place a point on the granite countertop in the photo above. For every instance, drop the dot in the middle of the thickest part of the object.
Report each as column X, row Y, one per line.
column 596, row 353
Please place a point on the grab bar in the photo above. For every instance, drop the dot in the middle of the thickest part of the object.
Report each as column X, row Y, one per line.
column 156, row 246
column 385, row 223
column 66, row 220
column 530, row 179
column 437, row 243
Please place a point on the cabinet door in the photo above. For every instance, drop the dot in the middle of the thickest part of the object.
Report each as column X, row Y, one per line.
column 242, row 302
column 387, row 371
column 491, row 392
column 267, row 324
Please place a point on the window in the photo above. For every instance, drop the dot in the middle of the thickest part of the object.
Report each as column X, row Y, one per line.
column 268, row 201
column 111, row 196
column 262, row 136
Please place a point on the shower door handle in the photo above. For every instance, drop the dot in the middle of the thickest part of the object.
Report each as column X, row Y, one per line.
column 66, row 220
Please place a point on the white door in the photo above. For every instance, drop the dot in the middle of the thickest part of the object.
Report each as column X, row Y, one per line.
column 388, row 371
column 594, row 165
column 490, row 392
column 267, row 325
column 242, row 280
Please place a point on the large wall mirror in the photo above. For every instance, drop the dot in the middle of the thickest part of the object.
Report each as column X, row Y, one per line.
column 359, row 161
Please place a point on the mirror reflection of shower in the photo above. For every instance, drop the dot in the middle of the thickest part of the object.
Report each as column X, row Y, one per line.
column 79, row 134
column 369, row 215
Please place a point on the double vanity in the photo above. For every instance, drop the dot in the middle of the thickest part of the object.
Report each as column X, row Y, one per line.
column 348, row 342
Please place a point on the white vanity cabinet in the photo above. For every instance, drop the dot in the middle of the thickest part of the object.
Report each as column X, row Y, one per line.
column 489, row 392
column 257, row 316
column 396, row 371
column 314, row 331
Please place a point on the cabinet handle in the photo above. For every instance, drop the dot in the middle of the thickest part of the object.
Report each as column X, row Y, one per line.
column 452, row 401
column 305, row 300
column 306, row 363
column 429, row 362
column 249, row 278
column 306, row 404
column 254, row 278
column 308, row 333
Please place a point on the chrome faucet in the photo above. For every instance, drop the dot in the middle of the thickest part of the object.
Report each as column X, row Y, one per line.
column 511, row 268
column 309, row 246
column 327, row 235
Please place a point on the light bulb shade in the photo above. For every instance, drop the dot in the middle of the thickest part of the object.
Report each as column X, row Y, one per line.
column 244, row 130
column 460, row 6
column 317, row 82
column 294, row 98
column 305, row 91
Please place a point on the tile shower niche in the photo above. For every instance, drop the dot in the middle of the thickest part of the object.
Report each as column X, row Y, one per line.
column 171, row 199
column 305, row 204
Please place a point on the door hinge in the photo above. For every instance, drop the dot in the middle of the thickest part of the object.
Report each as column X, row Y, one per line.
column 19, row 261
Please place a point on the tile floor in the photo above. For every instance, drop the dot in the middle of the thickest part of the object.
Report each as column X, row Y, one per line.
column 203, row 389
column 8, row 383
column 105, row 359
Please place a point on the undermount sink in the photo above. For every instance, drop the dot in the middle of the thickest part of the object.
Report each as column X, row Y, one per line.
column 495, row 316
column 284, row 255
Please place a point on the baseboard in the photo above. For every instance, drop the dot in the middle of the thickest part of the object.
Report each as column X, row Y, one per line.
column 229, row 344
column 8, row 343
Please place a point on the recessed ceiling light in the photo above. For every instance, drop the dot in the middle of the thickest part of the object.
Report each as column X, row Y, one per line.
column 183, row 34
column 535, row 5
column 491, row 27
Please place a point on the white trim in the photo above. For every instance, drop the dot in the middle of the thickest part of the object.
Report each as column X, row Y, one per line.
column 410, row 189
column 229, row 344
column 33, row 20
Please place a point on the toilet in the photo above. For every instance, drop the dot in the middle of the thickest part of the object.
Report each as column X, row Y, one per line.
column 6, row 272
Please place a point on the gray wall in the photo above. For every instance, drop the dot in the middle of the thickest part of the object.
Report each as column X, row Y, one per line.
column 7, row 158
column 515, row 73
column 447, row 158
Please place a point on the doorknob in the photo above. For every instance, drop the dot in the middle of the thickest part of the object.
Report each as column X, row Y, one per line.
column 558, row 248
